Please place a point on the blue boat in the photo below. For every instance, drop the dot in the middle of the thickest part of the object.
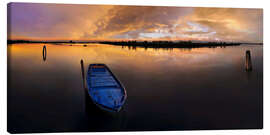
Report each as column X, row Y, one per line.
column 105, row 90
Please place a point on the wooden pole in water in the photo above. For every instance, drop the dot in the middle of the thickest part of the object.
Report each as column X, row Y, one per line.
column 44, row 53
column 82, row 69
column 248, row 61
column 86, row 98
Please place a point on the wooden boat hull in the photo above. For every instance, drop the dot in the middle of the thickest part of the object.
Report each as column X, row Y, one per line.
column 105, row 90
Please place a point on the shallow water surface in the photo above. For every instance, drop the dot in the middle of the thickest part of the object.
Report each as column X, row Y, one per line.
column 168, row 89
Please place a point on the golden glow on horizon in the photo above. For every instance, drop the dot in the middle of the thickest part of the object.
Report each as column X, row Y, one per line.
column 185, row 58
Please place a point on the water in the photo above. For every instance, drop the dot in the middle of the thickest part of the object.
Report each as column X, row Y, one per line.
column 168, row 89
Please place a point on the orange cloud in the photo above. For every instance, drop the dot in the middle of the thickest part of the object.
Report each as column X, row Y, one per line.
column 110, row 22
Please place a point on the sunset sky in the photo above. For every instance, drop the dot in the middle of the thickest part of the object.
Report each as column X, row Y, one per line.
column 109, row 22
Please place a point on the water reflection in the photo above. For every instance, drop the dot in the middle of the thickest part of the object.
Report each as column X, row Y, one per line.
column 163, row 49
column 130, row 47
column 199, row 88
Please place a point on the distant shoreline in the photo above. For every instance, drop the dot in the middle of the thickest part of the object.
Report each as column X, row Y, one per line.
column 169, row 44
column 144, row 44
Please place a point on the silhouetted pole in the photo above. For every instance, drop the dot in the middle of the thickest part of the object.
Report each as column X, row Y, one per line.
column 248, row 61
column 44, row 53
column 82, row 68
column 86, row 98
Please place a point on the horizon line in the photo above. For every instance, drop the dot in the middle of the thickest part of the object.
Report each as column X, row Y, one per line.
column 126, row 40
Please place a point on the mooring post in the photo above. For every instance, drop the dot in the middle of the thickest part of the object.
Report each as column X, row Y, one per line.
column 248, row 61
column 44, row 53
column 82, row 68
column 86, row 95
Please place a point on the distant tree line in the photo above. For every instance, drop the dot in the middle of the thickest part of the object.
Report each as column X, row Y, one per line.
column 145, row 44
column 170, row 44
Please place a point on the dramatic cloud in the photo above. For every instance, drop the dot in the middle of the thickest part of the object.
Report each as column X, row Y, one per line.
column 105, row 22
column 231, row 24
column 132, row 21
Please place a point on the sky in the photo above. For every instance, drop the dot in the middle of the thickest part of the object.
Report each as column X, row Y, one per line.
column 32, row 21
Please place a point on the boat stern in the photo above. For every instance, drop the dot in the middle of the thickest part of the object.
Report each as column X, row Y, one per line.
column 111, row 99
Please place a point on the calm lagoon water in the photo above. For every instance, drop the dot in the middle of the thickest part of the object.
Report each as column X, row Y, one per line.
column 168, row 89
